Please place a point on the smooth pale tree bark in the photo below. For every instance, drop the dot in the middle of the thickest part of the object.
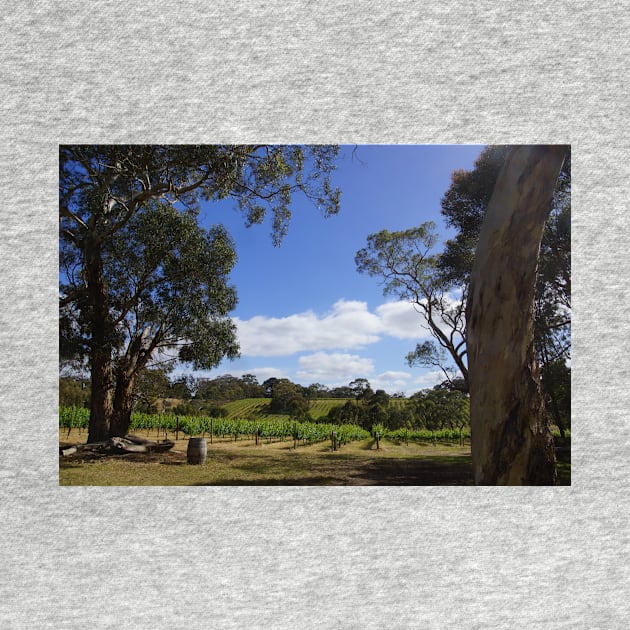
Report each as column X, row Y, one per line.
column 511, row 441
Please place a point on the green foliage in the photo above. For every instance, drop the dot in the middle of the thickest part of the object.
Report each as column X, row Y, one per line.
column 151, row 385
column 73, row 417
column 553, row 285
column 446, row 436
column 303, row 432
column 260, row 178
column 341, row 392
column 268, row 428
column 287, row 397
column 463, row 207
column 409, row 270
column 440, row 408
column 402, row 260
column 400, row 416
column 259, row 408
column 227, row 387
column 430, row 354
column 187, row 408
column 429, row 409
column 216, row 411
column 361, row 388
column 350, row 411
column 169, row 276
column 138, row 274
column 73, row 393
column 392, row 413
column 556, row 385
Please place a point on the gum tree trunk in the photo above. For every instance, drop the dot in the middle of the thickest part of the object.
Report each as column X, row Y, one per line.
column 511, row 441
column 127, row 371
column 123, row 404
column 101, row 401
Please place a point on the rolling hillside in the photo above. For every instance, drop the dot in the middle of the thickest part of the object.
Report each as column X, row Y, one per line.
column 258, row 407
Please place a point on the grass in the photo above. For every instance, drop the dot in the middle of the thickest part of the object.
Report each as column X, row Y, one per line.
column 277, row 463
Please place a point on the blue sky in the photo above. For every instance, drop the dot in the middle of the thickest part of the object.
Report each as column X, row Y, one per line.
column 304, row 312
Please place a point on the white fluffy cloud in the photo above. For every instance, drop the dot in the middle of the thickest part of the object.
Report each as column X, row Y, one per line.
column 404, row 321
column 429, row 380
column 263, row 373
column 401, row 320
column 349, row 325
column 391, row 381
column 333, row 367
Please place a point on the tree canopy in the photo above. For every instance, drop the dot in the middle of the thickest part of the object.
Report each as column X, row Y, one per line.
column 464, row 206
column 140, row 279
column 412, row 266
column 408, row 268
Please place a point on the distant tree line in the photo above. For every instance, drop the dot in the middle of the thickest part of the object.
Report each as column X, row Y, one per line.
column 433, row 409
column 445, row 406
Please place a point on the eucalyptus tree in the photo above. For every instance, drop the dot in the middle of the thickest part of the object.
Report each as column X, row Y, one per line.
column 511, row 441
column 139, row 278
column 464, row 206
column 407, row 265
column 439, row 286
column 361, row 388
column 288, row 397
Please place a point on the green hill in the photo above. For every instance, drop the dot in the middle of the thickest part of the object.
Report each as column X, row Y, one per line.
column 259, row 407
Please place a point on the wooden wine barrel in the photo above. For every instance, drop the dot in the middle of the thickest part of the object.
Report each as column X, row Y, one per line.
column 197, row 450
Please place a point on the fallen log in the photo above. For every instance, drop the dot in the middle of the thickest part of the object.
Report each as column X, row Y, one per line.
column 136, row 439
column 152, row 447
column 120, row 446
column 135, row 444
column 161, row 447
column 70, row 449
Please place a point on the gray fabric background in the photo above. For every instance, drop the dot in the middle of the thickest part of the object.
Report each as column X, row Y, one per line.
column 346, row 72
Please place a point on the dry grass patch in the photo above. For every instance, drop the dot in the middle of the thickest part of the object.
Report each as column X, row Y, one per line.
column 243, row 462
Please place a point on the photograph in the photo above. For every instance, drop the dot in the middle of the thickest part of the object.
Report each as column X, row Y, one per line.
column 316, row 315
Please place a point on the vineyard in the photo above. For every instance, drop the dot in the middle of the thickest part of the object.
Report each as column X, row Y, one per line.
column 259, row 408
column 263, row 427
column 255, row 450
column 268, row 429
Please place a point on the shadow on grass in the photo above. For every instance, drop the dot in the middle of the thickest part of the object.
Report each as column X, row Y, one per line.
column 295, row 468
column 563, row 464
column 433, row 471
column 353, row 471
column 274, row 481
